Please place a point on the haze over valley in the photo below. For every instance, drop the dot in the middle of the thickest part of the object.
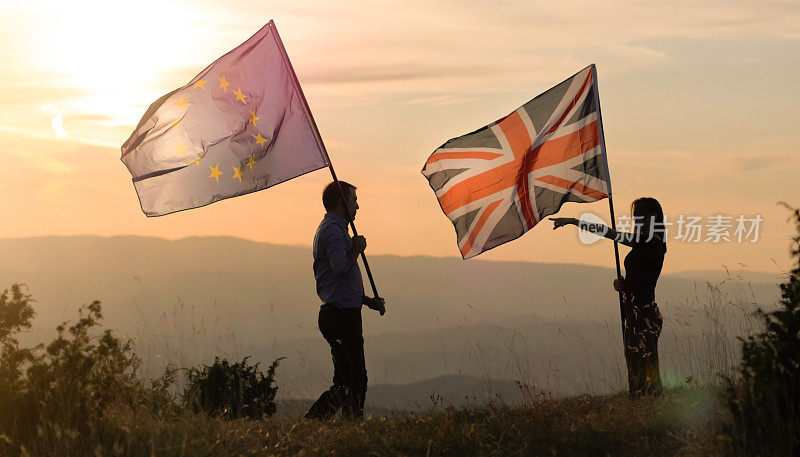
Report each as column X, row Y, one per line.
column 455, row 331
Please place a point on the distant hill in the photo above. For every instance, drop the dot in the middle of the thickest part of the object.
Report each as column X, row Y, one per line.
column 438, row 392
column 731, row 275
column 263, row 287
column 555, row 325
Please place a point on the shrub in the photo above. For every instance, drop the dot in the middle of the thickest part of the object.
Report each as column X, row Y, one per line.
column 16, row 314
column 765, row 401
column 58, row 391
column 232, row 390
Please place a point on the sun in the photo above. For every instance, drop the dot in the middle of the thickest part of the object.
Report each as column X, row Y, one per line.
column 113, row 53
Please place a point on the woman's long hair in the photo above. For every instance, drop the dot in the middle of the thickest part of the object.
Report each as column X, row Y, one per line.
column 648, row 210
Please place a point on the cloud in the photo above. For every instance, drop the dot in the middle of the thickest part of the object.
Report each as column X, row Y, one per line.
column 20, row 93
column 353, row 52
column 767, row 161
column 51, row 156
column 10, row 128
column 91, row 117
column 438, row 100
column 704, row 164
column 57, row 121
column 360, row 74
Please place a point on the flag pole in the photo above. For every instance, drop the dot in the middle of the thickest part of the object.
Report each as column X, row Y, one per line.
column 327, row 158
column 610, row 199
column 616, row 258
column 353, row 226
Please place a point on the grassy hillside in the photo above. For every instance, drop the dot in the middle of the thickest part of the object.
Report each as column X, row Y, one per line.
column 684, row 422
column 81, row 396
column 187, row 301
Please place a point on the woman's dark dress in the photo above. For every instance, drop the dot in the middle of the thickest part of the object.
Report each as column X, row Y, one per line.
column 640, row 316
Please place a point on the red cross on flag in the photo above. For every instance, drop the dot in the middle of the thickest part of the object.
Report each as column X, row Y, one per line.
column 497, row 182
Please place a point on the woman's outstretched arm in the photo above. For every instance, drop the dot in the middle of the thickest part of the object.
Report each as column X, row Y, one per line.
column 598, row 229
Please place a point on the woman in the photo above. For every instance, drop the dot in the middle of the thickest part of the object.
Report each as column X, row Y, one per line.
column 641, row 319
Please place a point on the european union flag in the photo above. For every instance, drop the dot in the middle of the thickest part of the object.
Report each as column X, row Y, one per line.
column 240, row 126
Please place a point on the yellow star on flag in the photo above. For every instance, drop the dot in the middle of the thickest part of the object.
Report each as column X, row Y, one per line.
column 197, row 161
column 224, row 84
column 237, row 174
column 201, row 84
column 215, row 173
column 250, row 162
column 183, row 102
column 240, row 96
column 254, row 118
column 259, row 139
column 181, row 148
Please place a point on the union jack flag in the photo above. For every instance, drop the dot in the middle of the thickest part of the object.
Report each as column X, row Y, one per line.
column 499, row 181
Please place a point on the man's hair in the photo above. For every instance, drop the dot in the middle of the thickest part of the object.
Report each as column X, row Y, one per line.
column 331, row 198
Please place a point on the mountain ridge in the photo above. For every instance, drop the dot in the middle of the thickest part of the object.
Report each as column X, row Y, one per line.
column 187, row 301
column 240, row 240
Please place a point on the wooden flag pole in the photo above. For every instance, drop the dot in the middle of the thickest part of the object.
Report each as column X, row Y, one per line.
column 353, row 226
column 327, row 159
column 610, row 199
column 616, row 258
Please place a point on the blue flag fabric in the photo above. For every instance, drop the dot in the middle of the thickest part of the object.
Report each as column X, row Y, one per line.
column 240, row 126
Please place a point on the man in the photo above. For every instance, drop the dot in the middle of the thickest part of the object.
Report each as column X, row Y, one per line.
column 340, row 287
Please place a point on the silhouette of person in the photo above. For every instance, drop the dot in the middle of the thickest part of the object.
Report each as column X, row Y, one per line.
column 340, row 287
column 641, row 319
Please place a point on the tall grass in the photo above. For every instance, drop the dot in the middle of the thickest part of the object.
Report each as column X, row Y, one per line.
column 699, row 343
column 764, row 395
column 548, row 359
column 84, row 393
column 105, row 408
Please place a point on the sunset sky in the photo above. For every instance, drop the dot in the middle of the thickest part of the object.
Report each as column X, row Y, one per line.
column 700, row 107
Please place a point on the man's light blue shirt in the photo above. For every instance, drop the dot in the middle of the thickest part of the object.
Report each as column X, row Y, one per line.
column 338, row 284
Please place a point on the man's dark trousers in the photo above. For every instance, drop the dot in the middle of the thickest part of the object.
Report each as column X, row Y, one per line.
column 341, row 328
